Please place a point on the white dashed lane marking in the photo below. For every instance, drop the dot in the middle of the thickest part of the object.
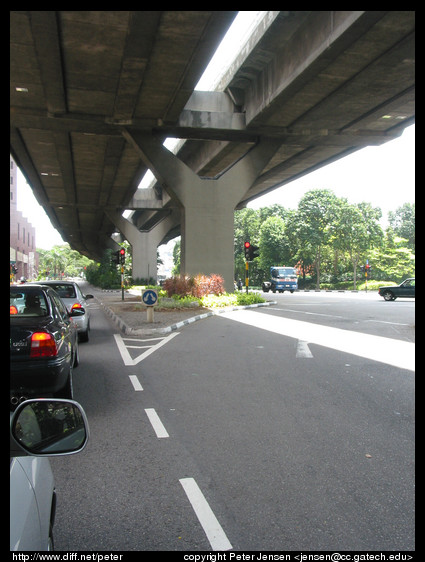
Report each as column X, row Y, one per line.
column 212, row 528
column 160, row 430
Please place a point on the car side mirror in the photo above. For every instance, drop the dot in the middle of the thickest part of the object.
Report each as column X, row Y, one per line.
column 89, row 296
column 48, row 427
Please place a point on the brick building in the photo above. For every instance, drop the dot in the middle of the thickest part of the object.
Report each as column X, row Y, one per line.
column 23, row 255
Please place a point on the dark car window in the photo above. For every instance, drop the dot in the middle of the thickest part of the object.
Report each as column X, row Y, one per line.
column 60, row 307
column 28, row 303
column 63, row 290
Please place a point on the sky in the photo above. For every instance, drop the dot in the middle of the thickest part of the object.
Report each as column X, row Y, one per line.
column 383, row 176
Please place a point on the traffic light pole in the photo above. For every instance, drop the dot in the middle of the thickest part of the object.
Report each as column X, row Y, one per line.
column 246, row 275
column 121, row 254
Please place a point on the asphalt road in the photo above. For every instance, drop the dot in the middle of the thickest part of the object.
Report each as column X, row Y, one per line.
column 226, row 435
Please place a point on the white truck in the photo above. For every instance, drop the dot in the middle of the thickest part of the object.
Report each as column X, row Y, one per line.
column 282, row 279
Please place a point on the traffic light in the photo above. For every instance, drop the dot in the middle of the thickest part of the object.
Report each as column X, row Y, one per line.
column 116, row 257
column 254, row 252
column 251, row 251
column 247, row 247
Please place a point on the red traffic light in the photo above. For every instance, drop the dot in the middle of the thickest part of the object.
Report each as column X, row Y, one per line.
column 247, row 250
column 122, row 251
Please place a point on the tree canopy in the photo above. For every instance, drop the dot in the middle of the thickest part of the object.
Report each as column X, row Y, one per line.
column 327, row 239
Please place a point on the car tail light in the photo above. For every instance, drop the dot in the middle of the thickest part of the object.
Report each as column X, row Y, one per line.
column 43, row 345
column 76, row 305
column 13, row 309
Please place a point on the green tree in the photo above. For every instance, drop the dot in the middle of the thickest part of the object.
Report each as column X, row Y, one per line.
column 104, row 274
column 273, row 243
column 61, row 260
column 316, row 213
column 402, row 221
column 176, row 258
column 51, row 262
column 393, row 260
column 356, row 230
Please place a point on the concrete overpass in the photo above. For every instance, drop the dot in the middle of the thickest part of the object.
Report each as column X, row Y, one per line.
column 94, row 94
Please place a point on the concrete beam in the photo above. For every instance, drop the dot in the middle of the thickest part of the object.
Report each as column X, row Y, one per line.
column 207, row 217
column 211, row 110
column 147, row 199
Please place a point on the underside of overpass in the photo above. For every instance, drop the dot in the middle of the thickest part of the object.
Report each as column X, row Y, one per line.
column 94, row 94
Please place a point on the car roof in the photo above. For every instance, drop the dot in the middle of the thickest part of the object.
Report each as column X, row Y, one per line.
column 27, row 286
column 53, row 282
column 33, row 287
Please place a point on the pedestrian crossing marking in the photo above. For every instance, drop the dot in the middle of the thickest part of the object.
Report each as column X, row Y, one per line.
column 146, row 345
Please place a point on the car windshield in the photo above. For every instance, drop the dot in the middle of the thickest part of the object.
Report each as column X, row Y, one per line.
column 63, row 290
column 284, row 272
column 27, row 303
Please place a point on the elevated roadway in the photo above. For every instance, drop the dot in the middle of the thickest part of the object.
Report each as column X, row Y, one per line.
column 94, row 94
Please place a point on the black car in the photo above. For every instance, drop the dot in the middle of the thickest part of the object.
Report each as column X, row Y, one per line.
column 43, row 344
column 405, row 289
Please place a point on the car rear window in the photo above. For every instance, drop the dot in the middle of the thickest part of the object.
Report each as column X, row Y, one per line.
column 24, row 303
column 64, row 291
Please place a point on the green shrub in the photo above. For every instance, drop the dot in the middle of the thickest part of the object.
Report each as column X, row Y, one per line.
column 249, row 298
column 231, row 299
column 196, row 286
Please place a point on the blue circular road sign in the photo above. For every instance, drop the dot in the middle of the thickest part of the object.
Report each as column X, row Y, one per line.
column 149, row 297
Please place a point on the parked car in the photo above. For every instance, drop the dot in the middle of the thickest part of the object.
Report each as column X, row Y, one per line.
column 405, row 289
column 73, row 297
column 43, row 343
column 39, row 428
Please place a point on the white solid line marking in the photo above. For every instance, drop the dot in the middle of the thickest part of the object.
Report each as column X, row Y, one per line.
column 204, row 513
column 126, row 357
column 160, row 430
column 135, row 382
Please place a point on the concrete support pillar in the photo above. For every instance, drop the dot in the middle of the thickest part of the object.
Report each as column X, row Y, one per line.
column 207, row 220
column 144, row 245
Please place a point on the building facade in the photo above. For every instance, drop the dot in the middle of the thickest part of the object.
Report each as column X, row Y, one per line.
column 23, row 254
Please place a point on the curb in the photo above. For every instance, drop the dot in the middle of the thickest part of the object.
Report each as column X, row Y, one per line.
column 146, row 331
column 179, row 325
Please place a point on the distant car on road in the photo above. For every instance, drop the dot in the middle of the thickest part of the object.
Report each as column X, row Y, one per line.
column 43, row 343
column 405, row 289
column 73, row 297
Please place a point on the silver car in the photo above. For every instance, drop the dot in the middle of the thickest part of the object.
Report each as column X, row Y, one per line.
column 39, row 429
column 73, row 297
